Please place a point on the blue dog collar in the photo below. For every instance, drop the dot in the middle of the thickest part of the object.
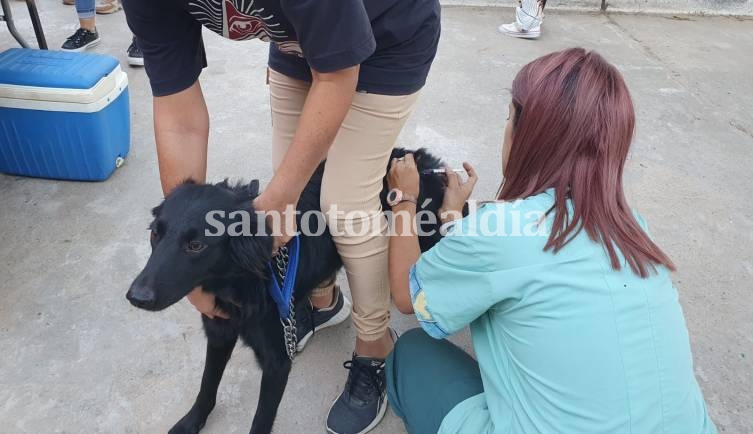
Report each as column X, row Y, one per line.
column 284, row 265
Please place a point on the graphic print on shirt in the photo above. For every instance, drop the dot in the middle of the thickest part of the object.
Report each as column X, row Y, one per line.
column 242, row 19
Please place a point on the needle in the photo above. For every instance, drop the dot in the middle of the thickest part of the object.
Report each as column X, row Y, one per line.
column 432, row 171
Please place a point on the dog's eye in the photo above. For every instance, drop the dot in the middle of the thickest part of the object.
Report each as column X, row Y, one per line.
column 195, row 246
column 152, row 235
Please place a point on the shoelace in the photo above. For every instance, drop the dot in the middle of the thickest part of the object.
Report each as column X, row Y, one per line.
column 363, row 379
column 79, row 36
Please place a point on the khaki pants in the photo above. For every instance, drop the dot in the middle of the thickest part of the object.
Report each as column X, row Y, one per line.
column 356, row 165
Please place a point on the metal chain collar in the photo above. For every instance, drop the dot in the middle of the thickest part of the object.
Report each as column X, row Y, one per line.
column 282, row 260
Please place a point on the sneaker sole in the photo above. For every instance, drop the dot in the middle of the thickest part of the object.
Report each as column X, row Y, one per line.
column 335, row 320
column 136, row 61
column 526, row 35
column 84, row 47
column 372, row 425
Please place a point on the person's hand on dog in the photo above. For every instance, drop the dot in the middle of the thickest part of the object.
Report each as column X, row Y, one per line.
column 404, row 175
column 457, row 193
column 270, row 206
column 204, row 302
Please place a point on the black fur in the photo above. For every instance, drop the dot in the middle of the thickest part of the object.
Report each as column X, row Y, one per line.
column 430, row 196
column 234, row 268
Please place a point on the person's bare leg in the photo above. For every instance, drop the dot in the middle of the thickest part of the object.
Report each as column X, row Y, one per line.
column 87, row 23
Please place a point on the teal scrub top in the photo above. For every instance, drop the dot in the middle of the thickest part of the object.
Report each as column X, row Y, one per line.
column 565, row 343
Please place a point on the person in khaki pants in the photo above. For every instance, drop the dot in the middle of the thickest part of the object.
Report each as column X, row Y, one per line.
column 343, row 77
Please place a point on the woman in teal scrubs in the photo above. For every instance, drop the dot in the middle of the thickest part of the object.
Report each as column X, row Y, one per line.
column 575, row 322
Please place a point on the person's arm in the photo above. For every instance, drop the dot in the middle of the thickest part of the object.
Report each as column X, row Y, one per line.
column 335, row 37
column 170, row 39
column 404, row 249
column 181, row 130
column 171, row 42
column 326, row 105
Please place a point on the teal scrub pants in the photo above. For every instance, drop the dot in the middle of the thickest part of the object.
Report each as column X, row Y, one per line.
column 426, row 378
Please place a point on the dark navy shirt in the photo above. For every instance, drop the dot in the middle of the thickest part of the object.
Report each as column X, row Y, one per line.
column 394, row 41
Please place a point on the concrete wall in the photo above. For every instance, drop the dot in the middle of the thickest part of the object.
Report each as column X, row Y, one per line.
column 705, row 7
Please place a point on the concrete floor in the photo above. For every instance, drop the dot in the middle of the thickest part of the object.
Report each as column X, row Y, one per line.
column 77, row 358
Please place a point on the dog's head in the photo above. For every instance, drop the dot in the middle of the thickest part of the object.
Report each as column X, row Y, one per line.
column 188, row 247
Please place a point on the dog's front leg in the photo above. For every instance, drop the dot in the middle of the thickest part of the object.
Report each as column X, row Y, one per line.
column 273, row 382
column 218, row 354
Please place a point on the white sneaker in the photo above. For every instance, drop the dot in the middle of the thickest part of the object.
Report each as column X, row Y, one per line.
column 514, row 31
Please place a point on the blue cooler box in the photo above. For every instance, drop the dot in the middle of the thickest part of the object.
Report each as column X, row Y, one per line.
column 63, row 115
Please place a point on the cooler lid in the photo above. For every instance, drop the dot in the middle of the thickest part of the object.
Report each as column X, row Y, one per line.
column 58, row 69
column 43, row 75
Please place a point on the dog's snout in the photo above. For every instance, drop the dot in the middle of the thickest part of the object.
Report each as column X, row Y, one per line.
column 141, row 297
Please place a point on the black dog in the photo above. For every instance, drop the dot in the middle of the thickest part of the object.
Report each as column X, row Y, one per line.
column 235, row 269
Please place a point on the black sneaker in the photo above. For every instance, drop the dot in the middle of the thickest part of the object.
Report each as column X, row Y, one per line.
column 363, row 402
column 81, row 40
column 310, row 320
column 135, row 56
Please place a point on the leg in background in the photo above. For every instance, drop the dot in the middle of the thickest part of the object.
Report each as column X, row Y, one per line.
column 134, row 54
column 86, row 36
column 529, row 16
column 427, row 378
column 85, row 9
column 87, row 23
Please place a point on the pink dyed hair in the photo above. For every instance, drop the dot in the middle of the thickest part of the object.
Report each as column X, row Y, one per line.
column 572, row 131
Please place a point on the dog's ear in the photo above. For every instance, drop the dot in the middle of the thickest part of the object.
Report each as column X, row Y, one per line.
column 225, row 183
column 253, row 188
column 157, row 210
column 252, row 253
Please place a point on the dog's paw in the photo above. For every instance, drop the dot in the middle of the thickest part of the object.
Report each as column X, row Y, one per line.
column 188, row 425
column 182, row 429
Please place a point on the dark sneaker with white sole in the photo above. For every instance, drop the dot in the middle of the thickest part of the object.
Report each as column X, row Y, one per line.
column 135, row 56
column 363, row 402
column 310, row 320
column 81, row 40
